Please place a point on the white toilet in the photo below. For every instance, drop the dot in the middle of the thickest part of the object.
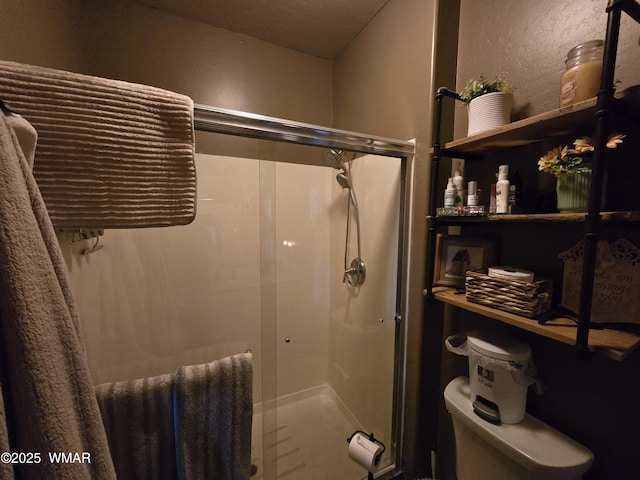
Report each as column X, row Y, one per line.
column 528, row 450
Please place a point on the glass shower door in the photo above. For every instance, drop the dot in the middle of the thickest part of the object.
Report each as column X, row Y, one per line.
column 328, row 351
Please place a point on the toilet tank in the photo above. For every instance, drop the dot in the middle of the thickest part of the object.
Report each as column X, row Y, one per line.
column 529, row 450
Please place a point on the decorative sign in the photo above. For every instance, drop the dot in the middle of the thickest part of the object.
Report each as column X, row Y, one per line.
column 616, row 288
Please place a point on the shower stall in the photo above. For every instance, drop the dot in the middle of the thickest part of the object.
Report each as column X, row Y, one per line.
column 297, row 255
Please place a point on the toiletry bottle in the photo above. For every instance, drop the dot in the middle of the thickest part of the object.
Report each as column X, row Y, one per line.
column 492, row 200
column 472, row 196
column 515, row 192
column 458, row 182
column 502, row 190
column 450, row 194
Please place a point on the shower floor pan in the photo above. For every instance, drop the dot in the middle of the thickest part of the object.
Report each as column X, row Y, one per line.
column 310, row 440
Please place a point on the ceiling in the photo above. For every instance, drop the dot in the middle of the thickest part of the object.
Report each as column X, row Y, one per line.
column 318, row 27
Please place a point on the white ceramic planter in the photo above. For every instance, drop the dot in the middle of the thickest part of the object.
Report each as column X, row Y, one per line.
column 489, row 111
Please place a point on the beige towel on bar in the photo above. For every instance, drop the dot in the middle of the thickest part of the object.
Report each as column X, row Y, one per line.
column 111, row 154
column 48, row 399
column 138, row 418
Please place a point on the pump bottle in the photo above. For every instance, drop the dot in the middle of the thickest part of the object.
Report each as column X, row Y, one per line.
column 472, row 197
column 450, row 194
column 502, row 190
column 458, row 183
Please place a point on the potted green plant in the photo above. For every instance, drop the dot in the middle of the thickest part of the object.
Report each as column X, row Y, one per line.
column 489, row 103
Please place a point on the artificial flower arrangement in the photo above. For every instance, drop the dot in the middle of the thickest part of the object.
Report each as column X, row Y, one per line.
column 561, row 161
column 477, row 88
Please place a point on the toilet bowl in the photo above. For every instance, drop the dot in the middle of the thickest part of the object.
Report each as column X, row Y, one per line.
column 529, row 450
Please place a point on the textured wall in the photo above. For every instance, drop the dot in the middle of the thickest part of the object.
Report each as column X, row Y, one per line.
column 44, row 33
column 381, row 81
column 213, row 66
column 127, row 41
column 527, row 43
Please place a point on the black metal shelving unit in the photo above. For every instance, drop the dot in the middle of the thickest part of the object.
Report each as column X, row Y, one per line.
column 593, row 219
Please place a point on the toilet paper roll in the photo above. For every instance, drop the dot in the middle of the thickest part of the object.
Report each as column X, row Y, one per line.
column 365, row 452
column 511, row 273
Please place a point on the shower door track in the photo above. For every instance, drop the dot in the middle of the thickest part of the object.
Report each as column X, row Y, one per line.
column 233, row 122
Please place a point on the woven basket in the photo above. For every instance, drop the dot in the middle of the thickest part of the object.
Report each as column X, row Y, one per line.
column 521, row 298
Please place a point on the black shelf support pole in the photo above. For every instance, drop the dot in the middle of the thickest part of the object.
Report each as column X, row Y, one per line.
column 433, row 194
column 593, row 218
column 630, row 7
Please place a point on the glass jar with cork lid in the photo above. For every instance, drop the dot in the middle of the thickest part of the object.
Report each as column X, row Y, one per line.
column 581, row 79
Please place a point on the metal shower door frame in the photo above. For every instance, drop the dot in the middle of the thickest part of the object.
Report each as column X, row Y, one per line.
column 261, row 127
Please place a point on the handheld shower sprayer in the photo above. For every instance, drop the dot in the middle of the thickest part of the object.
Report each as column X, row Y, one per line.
column 343, row 180
column 354, row 272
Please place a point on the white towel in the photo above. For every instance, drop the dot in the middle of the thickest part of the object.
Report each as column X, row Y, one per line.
column 111, row 154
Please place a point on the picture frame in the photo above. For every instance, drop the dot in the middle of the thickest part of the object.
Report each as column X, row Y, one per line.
column 455, row 254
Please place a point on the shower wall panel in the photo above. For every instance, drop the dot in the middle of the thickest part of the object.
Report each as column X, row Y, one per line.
column 303, row 249
column 154, row 299
column 363, row 318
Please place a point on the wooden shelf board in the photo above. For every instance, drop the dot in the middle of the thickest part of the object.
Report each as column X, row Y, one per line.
column 609, row 217
column 615, row 344
column 558, row 122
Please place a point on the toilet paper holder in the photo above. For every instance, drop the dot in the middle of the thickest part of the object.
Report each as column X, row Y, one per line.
column 374, row 440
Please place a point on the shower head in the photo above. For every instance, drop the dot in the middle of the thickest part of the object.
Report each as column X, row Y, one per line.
column 343, row 180
column 334, row 158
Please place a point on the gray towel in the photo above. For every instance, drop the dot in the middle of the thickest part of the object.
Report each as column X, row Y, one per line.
column 213, row 415
column 193, row 424
column 138, row 418
column 111, row 154
column 48, row 400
